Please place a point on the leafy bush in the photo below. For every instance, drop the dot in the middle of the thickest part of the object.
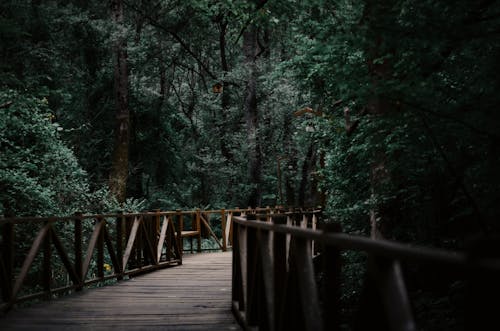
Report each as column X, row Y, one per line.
column 39, row 175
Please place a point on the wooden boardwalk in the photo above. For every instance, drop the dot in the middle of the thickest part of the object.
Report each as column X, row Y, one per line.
column 194, row 296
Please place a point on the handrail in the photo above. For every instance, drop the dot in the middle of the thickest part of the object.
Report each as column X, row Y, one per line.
column 274, row 280
column 116, row 246
column 95, row 248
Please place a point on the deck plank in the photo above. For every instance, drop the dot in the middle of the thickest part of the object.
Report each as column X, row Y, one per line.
column 194, row 296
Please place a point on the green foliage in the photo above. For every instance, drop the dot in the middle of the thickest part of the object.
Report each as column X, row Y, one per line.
column 39, row 175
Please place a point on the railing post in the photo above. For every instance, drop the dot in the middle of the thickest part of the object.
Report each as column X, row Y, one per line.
column 223, row 222
column 47, row 268
column 280, row 269
column 237, row 292
column 253, row 288
column 8, row 259
column 78, row 249
column 198, row 228
column 100, row 251
column 119, row 244
column 265, row 274
column 139, row 247
column 330, row 286
column 180, row 228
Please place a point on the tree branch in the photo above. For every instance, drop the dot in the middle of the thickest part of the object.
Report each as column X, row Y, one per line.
column 6, row 104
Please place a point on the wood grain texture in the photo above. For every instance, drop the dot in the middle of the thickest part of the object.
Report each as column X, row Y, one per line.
column 193, row 296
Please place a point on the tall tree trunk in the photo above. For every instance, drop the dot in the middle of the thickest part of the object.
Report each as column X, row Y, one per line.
column 250, row 49
column 225, row 97
column 379, row 106
column 119, row 169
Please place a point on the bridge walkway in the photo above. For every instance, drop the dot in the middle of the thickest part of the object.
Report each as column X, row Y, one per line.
column 193, row 296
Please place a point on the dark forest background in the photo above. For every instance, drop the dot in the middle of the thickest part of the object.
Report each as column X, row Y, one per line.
column 383, row 112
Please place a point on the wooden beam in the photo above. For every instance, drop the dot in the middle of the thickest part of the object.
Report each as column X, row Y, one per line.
column 163, row 234
column 37, row 243
column 149, row 249
column 266, row 257
column 90, row 249
column 207, row 225
column 112, row 255
column 391, row 286
column 78, row 249
column 130, row 242
column 307, row 284
column 75, row 277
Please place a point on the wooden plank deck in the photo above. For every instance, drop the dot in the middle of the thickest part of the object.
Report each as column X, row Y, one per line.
column 194, row 296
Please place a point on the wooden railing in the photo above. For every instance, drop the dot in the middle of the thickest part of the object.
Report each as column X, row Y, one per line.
column 275, row 281
column 43, row 257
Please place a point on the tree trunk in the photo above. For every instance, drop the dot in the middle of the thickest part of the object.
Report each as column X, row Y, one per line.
column 250, row 49
column 378, row 106
column 119, row 169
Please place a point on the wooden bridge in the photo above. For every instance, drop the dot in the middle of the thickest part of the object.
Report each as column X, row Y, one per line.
column 193, row 296
column 275, row 270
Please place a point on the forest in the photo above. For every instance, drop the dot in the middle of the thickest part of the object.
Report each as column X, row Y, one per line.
column 382, row 113
column 385, row 114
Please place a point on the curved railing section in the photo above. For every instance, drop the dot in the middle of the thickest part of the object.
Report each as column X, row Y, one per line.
column 44, row 257
column 275, row 274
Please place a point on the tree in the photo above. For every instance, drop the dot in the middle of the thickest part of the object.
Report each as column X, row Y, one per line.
column 39, row 175
column 119, row 169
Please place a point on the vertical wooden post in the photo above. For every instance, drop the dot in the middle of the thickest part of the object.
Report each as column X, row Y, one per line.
column 47, row 267
column 78, row 249
column 198, row 228
column 100, row 251
column 129, row 222
column 237, row 293
column 280, row 270
column 306, row 284
column 169, row 235
column 223, row 229
column 8, row 259
column 314, row 224
column 392, row 290
column 330, row 286
column 139, row 243
column 254, row 284
column 119, row 244
column 180, row 228
column 156, row 235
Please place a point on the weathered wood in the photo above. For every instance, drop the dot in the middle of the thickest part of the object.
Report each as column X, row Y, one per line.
column 100, row 249
column 75, row 277
column 383, row 248
column 90, row 250
column 391, row 286
column 47, row 267
column 120, row 223
column 149, row 245
column 78, row 249
column 37, row 243
column 207, row 225
column 279, row 269
column 130, row 242
column 198, row 229
column 194, row 296
column 109, row 244
column 266, row 258
column 330, row 287
column 223, row 229
column 253, row 286
column 307, row 285
column 161, row 241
